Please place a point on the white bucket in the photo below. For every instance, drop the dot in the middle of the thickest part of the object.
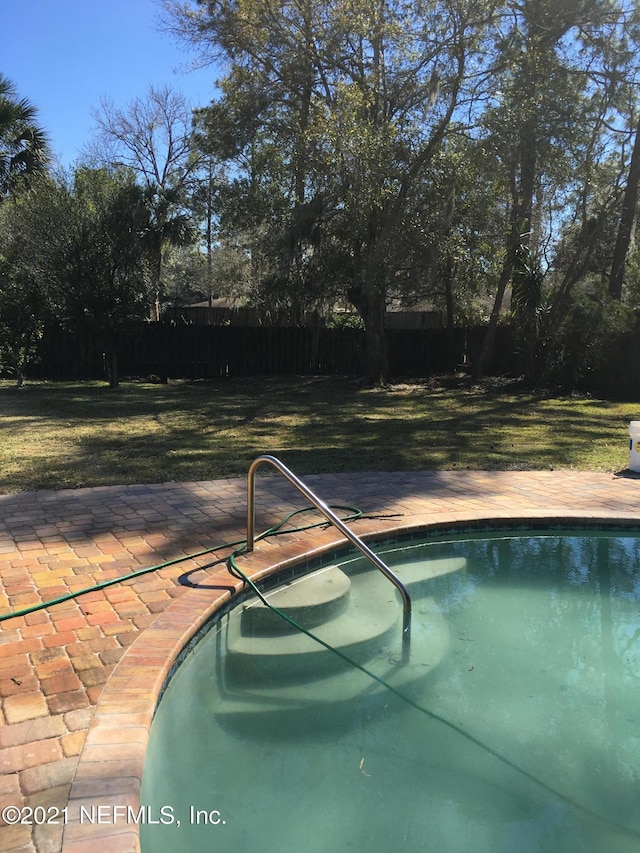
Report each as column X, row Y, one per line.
column 634, row 446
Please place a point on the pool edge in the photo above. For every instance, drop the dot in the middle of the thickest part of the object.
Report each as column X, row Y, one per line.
column 111, row 762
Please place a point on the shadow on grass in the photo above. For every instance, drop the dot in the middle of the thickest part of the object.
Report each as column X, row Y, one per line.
column 87, row 435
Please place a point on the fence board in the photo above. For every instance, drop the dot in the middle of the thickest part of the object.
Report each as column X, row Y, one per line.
column 210, row 352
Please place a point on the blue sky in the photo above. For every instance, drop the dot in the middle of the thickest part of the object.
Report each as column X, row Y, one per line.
column 64, row 55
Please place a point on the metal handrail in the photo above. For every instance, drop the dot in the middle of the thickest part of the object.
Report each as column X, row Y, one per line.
column 330, row 516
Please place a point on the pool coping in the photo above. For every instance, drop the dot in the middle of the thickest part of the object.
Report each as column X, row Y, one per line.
column 111, row 763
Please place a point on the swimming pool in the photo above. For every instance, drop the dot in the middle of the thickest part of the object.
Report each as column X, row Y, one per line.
column 513, row 725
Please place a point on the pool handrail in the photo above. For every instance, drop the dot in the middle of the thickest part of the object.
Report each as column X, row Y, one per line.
column 322, row 507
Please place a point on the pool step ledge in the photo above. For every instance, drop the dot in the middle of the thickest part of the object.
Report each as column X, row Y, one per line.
column 310, row 603
column 362, row 615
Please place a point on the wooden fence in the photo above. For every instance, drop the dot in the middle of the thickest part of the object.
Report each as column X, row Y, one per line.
column 208, row 352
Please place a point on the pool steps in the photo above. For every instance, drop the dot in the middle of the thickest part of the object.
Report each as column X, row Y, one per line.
column 369, row 617
column 309, row 605
column 266, row 658
column 333, row 519
column 313, row 600
column 417, row 576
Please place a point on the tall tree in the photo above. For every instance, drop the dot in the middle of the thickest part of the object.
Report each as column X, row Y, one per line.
column 152, row 136
column 627, row 221
column 21, row 319
column 345, row 103
column 101, row 287
column 23, row 143
column 450, row 235
column 556, row 65
column 72, row 251
column 33, row 229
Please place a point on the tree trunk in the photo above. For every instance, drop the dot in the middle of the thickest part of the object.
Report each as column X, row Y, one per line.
column 370, row 303
column 315, row 343
column 576, row 270
column 448, row 276
column 486, row 352
column 377, row 359
column 522, row 191
column 368, row 294
column 111, row 364
column 627, row 222
column 209, row 235
column 155, row 269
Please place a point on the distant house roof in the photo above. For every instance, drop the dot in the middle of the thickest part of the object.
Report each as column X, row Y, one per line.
column 232, row 303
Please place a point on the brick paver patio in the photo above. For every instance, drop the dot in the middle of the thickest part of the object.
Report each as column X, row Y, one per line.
column 79, row 680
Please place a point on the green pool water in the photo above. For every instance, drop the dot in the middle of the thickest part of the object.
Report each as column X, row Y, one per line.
column 514, row 724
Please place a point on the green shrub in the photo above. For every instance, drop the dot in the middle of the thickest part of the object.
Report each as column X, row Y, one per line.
column 586, row 339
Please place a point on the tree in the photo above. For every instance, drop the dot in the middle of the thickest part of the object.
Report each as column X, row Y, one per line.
column 344, row 105
column 21, row 321
column 23, row 143
column 72, row 251
column 32, row 228
column 627, row 222
column 559, row 71
column 101, row 286
column 153, row 138
column 185, row 276
column 451, row 231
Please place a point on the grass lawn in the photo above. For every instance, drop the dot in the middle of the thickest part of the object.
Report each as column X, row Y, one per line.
column 65, row 435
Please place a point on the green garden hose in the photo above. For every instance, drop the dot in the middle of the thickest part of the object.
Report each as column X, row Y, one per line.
column 276, row 530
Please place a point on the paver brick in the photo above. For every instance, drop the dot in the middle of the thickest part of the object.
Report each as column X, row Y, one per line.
column 18, row 684
column 17, row 665
column 119, row 626
column 91, row 677
column 72, row 743
column 37, row 618
column 16, row 758
column 20, row 647
column 57, row 667
column 119, row 594
column 56, row 796
column 59, row 640
column 15, row 839
column 24, row 706
column 92, row 596
column 48, row 837
column 47, row 776
column 61, row 683
column 70, row 623
column 31, row 730
column 10, row 788
column 91, row 632
column 114, row 655
column 37, row 630
column 102, row 618
column 82, row 662
column 61, row 702
column 93, row 693
column 135, row 611
column 78, row 718
column 100, row 645
column 47, row 656
column 22, row 599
